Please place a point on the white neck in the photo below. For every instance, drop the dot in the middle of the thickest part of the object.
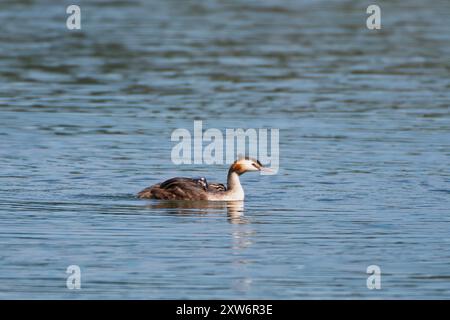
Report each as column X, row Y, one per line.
column 234, row 186
column 234, row 192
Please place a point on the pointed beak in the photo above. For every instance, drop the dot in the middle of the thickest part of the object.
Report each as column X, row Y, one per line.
column 264, row 169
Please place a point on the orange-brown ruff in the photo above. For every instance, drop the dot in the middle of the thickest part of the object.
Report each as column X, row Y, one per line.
column 200, row 189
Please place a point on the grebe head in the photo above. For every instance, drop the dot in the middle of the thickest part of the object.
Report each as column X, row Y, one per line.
column 244, row 165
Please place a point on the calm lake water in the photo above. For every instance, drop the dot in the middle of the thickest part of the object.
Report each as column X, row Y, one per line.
column 364, row 119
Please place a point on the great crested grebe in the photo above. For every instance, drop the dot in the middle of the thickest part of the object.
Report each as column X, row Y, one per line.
column 200, row 189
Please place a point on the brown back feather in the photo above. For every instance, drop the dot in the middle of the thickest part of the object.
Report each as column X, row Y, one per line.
column 175, row 189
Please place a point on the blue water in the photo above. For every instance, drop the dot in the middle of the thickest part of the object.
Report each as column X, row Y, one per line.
column 364, row 119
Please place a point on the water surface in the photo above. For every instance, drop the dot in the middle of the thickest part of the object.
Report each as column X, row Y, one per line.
column 85, row 123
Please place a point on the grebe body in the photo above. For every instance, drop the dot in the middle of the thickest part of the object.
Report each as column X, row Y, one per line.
column 181, row 188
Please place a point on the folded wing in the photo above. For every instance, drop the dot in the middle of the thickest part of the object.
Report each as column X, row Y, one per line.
column 177, row 189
